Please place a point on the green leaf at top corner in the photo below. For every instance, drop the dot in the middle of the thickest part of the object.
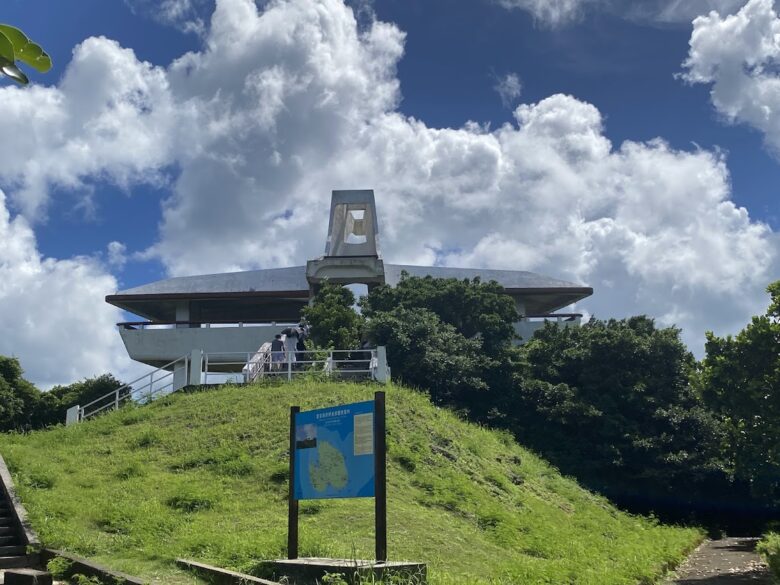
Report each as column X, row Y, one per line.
column 34, row 56
column 18, row 38
column 11, row 70
column 25, row 50
column 6, row 49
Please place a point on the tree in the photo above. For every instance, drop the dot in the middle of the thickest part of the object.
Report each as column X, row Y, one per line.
column 740, row 382
column 15, row 46
column 333, row 321
column 610, row 402
column 426, row 353
column 53, row 404
column 18, row 397
column 472, row 307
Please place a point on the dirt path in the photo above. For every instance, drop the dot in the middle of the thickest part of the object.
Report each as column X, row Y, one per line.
column 728, row 561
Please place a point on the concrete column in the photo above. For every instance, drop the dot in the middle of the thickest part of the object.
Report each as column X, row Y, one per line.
column 179, row 375
column 382, row 370
column 72, row 415
column 182, row 312
column 196, row 367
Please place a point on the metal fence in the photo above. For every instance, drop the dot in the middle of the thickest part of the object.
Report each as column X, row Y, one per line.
column 242, row 367
column 142, row 390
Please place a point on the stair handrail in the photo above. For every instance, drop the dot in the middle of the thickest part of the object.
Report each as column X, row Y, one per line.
column 119, row 397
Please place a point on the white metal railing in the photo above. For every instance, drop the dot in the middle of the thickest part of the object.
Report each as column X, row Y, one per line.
column 362, row 363
column 202, row 368
column 152, row 385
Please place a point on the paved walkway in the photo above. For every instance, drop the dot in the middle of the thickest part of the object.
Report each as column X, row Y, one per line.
column 728, row 561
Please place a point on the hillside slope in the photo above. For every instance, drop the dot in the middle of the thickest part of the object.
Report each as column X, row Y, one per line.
column 203, row 476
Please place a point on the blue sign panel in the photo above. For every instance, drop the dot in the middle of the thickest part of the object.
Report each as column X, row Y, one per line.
column 334, row 452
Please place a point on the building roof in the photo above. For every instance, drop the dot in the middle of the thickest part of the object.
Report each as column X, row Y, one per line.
column 541, row 294
column 270, row 280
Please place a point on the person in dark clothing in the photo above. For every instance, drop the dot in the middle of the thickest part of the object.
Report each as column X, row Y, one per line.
column 277, row 352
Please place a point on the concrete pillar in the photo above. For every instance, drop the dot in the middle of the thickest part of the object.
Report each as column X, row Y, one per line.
column 72, row 415
column 382, row 370
column 196, row 367
column 182, row 312
column 180, row 375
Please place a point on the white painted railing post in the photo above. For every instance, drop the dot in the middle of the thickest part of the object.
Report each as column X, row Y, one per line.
column 196, row 366
column 72, row 415
column 382, row 371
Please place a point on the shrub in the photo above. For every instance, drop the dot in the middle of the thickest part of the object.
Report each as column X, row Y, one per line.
column 769, row 547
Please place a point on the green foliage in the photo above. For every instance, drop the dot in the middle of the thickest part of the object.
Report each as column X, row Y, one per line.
column 59, row 567
column 426, row 353
column 15, row 46
column 472, row 307
column 334, row 323
column 769, row 548
column 471, row 502
column 621, row 388
column 740, row 382
column 54, row 403
column 18, row 397
column 24, row 407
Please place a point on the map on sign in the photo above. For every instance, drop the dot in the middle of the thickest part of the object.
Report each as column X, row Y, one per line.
column 334, row 452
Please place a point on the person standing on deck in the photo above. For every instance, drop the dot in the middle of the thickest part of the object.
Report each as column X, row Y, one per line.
column 291, row 342
column 277, row 352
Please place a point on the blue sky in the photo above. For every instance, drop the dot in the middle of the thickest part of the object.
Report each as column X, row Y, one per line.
column 428, row 71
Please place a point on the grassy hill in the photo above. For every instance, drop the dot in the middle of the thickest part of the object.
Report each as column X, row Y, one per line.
column 203, row 476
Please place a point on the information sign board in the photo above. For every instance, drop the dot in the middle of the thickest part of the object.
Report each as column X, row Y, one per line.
column 334, row 452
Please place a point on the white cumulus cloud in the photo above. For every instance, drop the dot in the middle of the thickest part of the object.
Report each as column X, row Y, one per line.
column 509, row 88
column 558, row 13
column 738, row 56
column 52, row 313
column 110, row 118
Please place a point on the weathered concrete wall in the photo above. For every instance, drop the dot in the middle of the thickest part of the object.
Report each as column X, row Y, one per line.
column 158, row 347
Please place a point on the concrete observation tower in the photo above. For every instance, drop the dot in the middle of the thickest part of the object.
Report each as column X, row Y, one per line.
column 240, row 311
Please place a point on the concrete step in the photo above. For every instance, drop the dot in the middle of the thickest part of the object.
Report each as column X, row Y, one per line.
column 6, row 530
column 9, row 540
column 14, row 562
column 27, row 577
column 12, row 551
column 6, row 521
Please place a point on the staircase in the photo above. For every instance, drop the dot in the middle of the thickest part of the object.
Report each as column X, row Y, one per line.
column 13, row 552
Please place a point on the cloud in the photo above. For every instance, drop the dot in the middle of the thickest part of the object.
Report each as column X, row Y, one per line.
column 559, row 13
column 509, row 88
column 116, row 252
column 552, row 13
column 283, row 104
column 52, row 313
column 185, row 15
column 110, row 118
column 737, row 56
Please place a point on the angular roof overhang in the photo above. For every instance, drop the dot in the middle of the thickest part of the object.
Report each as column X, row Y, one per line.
column 278, row 293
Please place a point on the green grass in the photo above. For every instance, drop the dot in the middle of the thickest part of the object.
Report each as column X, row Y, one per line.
column 769, row 547
column 203, row 476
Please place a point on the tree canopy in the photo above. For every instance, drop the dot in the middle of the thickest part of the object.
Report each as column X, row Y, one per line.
column 740, row 382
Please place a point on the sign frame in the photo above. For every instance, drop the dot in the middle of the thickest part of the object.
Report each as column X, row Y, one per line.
column 380, row 482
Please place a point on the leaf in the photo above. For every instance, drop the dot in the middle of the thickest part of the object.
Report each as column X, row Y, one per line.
column 35, row 57
column 6, row 48
column 12, row 71
column 25, row 50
